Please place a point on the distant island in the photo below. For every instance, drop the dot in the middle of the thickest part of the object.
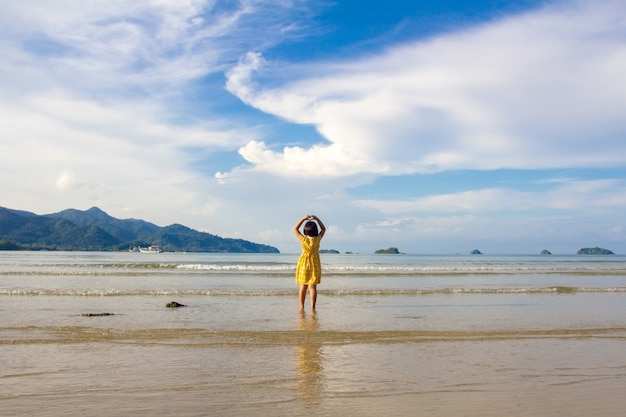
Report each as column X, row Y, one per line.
column 594, row 251
column 545, row 252
column 329, row 251
column 388, row 251
column 95, row 230
column 476, row 252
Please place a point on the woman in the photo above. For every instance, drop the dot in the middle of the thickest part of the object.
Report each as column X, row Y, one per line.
column 309, row 269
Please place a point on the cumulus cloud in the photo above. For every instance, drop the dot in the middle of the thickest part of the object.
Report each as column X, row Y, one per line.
column 542, row 89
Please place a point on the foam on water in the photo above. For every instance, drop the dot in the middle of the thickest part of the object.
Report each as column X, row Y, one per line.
column 289, row 292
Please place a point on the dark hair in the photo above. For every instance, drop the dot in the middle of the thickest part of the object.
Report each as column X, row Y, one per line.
column 310, row 229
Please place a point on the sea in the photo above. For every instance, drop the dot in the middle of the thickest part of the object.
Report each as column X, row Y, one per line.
column 90, row 334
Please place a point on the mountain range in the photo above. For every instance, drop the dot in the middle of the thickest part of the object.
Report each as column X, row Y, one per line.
column 95, row 230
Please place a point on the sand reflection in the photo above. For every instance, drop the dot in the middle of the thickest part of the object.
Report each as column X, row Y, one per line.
column 309, row 359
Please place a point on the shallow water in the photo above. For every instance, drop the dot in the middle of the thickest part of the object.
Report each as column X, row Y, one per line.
column 394, row 336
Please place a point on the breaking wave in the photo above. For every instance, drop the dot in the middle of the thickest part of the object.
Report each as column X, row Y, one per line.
column 290, row 292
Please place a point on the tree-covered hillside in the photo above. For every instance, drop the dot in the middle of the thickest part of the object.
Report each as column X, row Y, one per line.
column 95, row 230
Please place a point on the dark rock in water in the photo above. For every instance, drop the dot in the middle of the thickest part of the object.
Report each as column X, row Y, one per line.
column 392, row 251
column 174, row 304
column 476, row 252
column 96, row 314
column 594, row 251
column 546, row 252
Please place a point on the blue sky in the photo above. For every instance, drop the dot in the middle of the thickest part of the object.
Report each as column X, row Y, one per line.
column 432, row 126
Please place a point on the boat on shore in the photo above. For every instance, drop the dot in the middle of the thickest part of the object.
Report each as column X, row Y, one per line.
column 149, row 249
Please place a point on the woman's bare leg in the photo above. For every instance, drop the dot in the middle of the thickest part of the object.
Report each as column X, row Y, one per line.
column 302, row 295
column 313, row 291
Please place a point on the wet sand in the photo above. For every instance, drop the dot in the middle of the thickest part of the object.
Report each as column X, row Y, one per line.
column 72, row 371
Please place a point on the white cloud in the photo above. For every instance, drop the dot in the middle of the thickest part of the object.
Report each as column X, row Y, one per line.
column 133, row 47
column 66, row 180
column 320, row 160
column 573, row 196
column 109, row 43
column 542, row 89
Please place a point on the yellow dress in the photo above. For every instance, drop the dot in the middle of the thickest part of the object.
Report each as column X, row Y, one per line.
column 309, row 269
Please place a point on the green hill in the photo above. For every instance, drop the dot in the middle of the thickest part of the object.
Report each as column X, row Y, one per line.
column 95, row 230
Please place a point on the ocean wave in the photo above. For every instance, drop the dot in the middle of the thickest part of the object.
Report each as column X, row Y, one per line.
column 280, row 292
column 139, row 269
column 257, row 268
